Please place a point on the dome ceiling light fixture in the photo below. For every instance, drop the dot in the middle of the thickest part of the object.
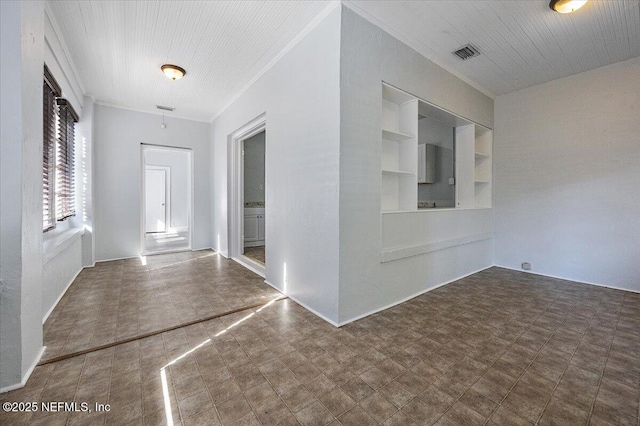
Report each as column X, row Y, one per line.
column 566, row 6
column 173, row 72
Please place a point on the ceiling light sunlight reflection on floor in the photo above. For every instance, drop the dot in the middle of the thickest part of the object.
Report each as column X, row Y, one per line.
column 163, row 374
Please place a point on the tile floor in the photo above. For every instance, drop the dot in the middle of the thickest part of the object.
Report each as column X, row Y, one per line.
column 256, row 253
column 496, row 348
column 125, row 298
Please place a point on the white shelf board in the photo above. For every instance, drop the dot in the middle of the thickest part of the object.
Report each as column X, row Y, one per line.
column 397, row 172
column 481, row 130
column 395, row 95
column 482, row 181
column 482, row 155
column 396, row 136
column 399, row 211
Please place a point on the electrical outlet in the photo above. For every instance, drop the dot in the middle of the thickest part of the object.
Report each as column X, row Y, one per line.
column 526, row 266
column 452, row 181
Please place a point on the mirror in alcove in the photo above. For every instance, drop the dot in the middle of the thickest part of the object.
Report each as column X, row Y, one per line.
column 436, row 158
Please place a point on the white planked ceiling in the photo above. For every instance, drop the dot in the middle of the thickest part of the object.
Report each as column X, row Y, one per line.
column 522, row 43
column 119, row 46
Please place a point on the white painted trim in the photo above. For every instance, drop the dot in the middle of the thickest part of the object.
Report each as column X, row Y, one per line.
column 26, row 375
column 190, row 202
column 251, row 265
column 113, row 259
column 333, row 323
column 46, row 315
column 74, row 68
column 142, row 201
column 254, row 243
column 410, row 297
column 306, row 30
column 151, row 254
column 235, row 189
column 56, row 245
column 396, row 253
column 569, row 279
column 416, row 45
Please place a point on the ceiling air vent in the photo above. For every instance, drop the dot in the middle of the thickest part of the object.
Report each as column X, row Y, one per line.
column 466, row 52
column 164, row 108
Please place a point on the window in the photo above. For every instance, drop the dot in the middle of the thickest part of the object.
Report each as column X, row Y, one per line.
column 59, row 118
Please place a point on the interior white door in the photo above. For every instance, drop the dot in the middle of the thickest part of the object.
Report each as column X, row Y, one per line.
column 155, row 200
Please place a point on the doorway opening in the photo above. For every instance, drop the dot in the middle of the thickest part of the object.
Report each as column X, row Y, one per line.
column 166, row 203
column 247, row 193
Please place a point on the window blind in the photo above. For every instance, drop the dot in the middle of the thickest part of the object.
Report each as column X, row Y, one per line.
column 65, row 189
column 59, row 118
column 51, row 90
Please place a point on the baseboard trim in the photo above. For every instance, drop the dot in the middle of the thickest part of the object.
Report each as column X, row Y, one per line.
column 152, row 254
column 421, row 292
column 249, row 265
column 26, row 375
column 46, row 315
column 178, row 228
column 568, row 279
column 304, row 305
column 116, row 258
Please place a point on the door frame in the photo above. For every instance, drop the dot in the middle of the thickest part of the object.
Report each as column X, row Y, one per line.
column 190, row 194
column 167, row 195
column 235, row 191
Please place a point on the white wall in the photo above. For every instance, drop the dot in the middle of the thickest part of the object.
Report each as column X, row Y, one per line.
column 59, row 271
column 368, row 57
column 254, row 150
column 84, row 180
column 60, row 65
column 21, row 55
column 69, row 247
column 178, row 162
column 119, row 134
column 300, row 95
column 567, row 177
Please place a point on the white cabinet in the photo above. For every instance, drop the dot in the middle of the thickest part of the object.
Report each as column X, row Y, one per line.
column 254, row 227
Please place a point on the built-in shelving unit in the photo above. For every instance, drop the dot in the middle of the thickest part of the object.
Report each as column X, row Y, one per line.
column 402, row 159
column 399, row 150
column 483, row 170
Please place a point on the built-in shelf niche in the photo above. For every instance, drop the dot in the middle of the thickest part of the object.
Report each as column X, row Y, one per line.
column 399, row 150
column 483, row 168
column 399, row 166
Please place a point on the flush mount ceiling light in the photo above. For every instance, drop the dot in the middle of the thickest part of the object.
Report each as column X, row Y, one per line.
column 173, row 72
column 566, row 6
